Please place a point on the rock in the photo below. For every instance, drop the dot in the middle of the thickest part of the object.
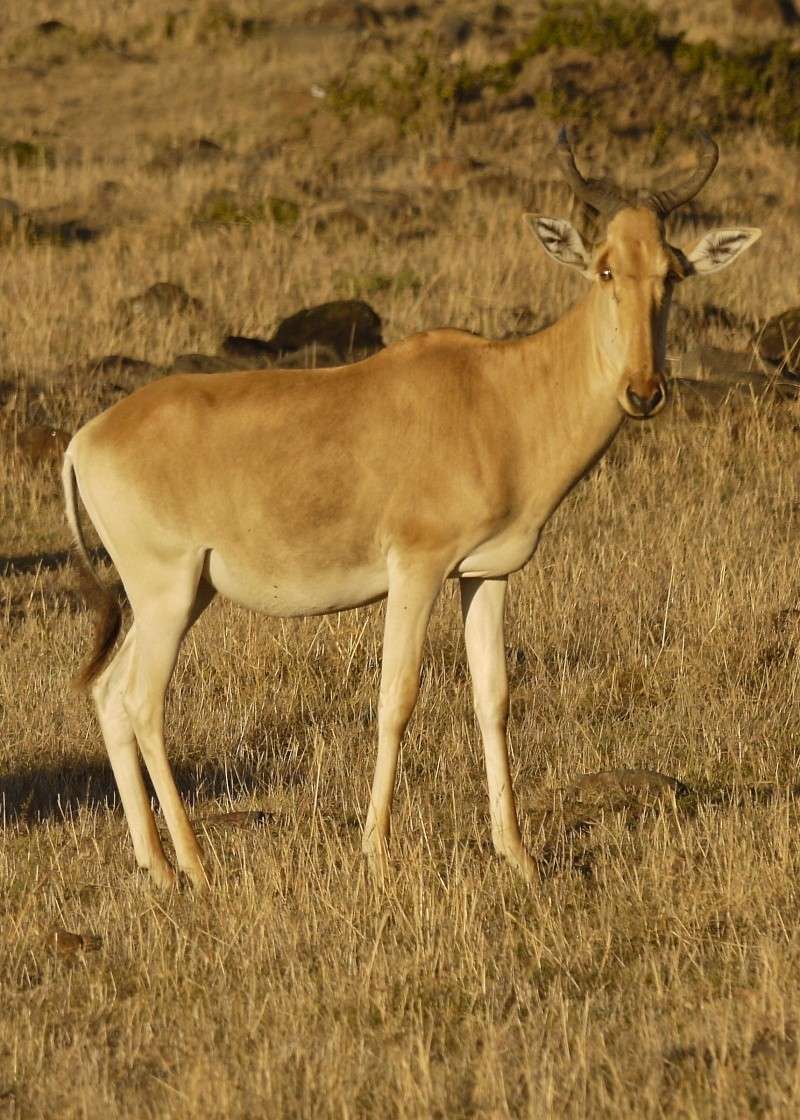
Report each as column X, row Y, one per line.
column 454, row 30
column 203, row 363
column 342, row 218
column 40, row 445
column 225, row 207
column 451, row 171
column 283, row 211
column 252, row 27
column 348, row 14
column 71, row 232
column 315, row 356
column 162, row 299
column 26, row 153
column 9, row 398
column 250, row 350
column 404, row 12
column 523, row 321
column 201, row 150
column 780, row 11
column 84, row 219
column 779, row 341
column 67, row 944
column 712, row 362
column 714, row 316
column 116, row 364
column 12, row 218
column 695, row 397
column 349, row 327
column 613, row 788
column 49, row 27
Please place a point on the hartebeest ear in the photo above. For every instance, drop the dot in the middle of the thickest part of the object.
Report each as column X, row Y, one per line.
column 721, row 247
column 560, row 240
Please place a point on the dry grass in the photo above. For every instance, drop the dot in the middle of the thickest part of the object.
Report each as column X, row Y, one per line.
column 655, row 971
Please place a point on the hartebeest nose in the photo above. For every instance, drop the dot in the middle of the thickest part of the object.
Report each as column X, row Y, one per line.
column 645, row 406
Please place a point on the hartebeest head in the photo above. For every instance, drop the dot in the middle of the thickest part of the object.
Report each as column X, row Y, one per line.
column 635, row 270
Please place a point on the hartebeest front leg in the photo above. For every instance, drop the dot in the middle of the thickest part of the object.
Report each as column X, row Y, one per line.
column 412, row 593
column 482, row 604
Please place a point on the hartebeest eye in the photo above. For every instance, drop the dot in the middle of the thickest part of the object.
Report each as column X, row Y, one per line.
column 605, row 275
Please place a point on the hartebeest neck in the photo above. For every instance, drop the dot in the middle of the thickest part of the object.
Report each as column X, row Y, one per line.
column 568, row 365
column 564, row 400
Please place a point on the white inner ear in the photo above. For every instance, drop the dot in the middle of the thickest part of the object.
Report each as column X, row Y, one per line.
column 560, row 240
column 720, row 247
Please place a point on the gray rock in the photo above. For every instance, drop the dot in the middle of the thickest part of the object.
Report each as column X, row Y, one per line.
column 49, row 27
column 10, row 213
column 203, row 363
column 162, row 300
column 351, row 15
column 349, row 327
column 779, row 341
column 115, row 364
column 454, row 30
column 40, row 445
column 201, row 150
column 252, row 351
column 315, row 356
column 780, row 11
column 72, row 232
column 615, row 787
column 713, row 362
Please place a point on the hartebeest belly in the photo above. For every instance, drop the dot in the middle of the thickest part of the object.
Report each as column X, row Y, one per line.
column 303, row 511
column 305, row 493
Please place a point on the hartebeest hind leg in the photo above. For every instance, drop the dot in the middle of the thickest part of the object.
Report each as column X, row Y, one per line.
column 115, row 723
column 412, row 593
column 129, row 696
column 482, row 605
column 161, row 621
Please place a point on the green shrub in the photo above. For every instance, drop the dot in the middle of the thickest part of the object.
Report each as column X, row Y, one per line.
column 749, row 84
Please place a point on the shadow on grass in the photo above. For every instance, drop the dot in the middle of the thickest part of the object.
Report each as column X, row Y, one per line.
column 42, row 794
column 44, row 561
column 566, row 835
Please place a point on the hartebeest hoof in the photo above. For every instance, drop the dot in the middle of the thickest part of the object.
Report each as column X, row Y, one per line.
column 198, row 877
column 524, row 864
column 162, row 875
column 377, row 856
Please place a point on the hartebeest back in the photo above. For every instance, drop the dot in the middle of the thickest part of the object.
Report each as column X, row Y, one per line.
column 304, row 493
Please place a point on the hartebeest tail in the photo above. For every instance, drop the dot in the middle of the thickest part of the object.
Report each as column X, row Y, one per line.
column 108, row 615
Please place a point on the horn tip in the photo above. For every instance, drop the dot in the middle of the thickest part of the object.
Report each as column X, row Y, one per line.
column 707, row 139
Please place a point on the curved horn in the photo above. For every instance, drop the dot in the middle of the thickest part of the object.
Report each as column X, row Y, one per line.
column 600, row 195
column 669, row 200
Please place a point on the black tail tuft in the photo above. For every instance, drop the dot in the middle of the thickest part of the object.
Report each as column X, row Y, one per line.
column 108, row 623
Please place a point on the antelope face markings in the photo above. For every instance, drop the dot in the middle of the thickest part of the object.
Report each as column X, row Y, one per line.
column 632, row 272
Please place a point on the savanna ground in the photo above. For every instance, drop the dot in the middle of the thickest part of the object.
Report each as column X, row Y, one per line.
column 656, row 969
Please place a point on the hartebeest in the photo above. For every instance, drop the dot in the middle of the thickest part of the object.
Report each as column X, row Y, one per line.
column 301, row 493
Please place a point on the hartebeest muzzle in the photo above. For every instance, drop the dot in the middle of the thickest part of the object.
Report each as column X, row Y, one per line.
column 646, row 399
